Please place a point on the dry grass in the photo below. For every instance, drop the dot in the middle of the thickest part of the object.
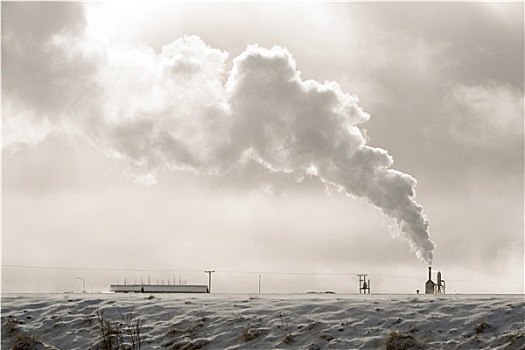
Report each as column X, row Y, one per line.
column 250, row 333
column 482, row 327
column 190, row 330
column 11, row 326
column 400, row 341
column 118, row 334
column 289, row 338
column 21, row 340
column 26, row 342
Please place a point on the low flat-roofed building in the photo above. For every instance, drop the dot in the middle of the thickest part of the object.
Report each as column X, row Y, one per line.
column 150, row 288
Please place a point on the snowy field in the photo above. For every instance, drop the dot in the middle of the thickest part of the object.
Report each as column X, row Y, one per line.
column 262, row 321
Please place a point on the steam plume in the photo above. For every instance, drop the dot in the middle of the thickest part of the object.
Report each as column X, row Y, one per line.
column 182, row 110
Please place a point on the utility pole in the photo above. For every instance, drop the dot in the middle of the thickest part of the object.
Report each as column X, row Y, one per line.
column 209, row 272
column 83, row 285
column 259, row 284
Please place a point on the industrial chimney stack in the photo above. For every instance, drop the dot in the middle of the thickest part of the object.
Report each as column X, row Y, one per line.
column 430, row 285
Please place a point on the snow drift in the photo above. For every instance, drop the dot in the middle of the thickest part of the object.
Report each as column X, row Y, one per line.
column 229, row 321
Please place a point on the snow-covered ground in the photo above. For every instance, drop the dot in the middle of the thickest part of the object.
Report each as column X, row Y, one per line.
column 261, row 321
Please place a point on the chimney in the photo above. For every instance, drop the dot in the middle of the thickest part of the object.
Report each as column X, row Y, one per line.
column 430, row 273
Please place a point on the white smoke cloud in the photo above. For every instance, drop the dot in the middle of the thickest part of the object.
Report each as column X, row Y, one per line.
column 182, row 110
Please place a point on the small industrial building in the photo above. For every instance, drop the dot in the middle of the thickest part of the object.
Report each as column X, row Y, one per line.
column 150, row 288
column 434, row 288
column 429, row 285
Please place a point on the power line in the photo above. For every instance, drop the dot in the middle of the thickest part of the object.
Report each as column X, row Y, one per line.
column 300, row 273
column 288, row 273
column 466, row 281
column 172, row 270
column 94, row 269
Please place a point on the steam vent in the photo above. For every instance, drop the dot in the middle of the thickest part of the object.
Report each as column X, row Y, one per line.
column 434, row 288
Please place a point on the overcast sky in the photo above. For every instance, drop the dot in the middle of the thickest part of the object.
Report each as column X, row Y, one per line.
column 303, row 142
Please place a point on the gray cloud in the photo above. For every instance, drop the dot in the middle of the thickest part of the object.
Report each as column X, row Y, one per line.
column 487, row 115
column 48, row 78
column 37, row 70
column 440, row 80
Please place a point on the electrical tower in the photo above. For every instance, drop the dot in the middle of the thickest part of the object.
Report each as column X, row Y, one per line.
column 364, row 285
